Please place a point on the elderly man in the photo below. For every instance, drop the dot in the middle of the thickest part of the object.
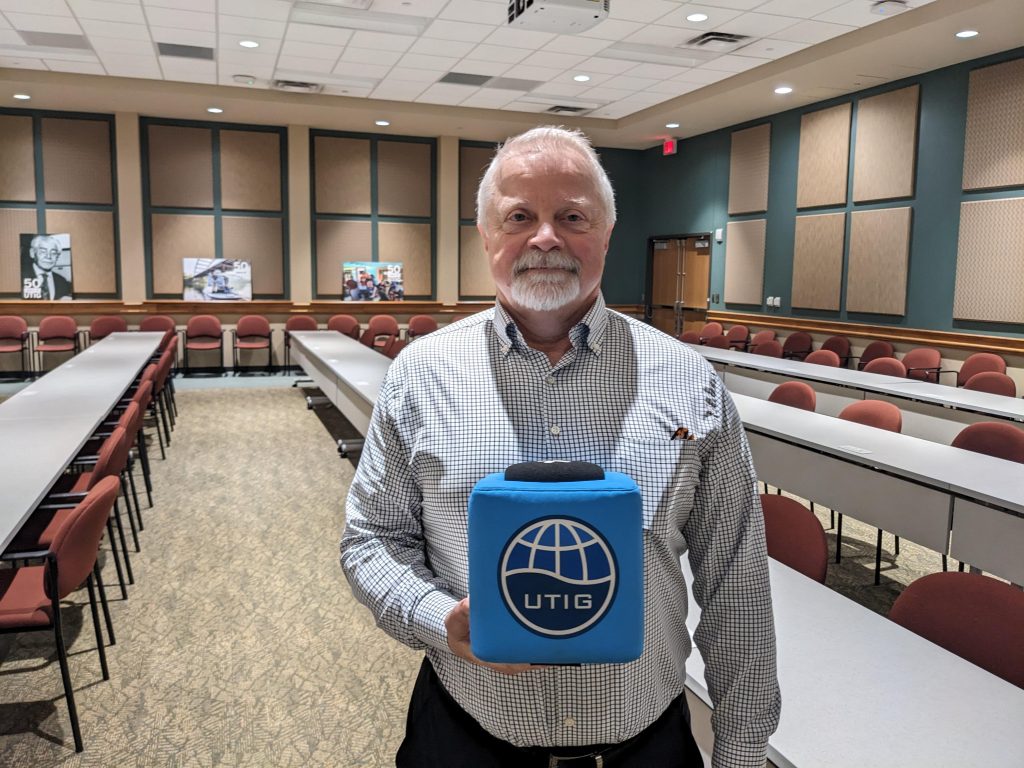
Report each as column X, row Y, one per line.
column 551, row 373
column 44, row 251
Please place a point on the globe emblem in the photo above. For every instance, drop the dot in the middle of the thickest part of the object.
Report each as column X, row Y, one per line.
column 557, row 576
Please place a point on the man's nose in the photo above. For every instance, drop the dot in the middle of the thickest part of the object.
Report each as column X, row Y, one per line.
column 546, row 238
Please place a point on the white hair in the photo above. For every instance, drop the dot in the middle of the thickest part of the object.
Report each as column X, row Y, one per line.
column 545, row 139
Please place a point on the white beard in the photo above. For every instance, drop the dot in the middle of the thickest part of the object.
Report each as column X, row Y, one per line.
column 545, row 291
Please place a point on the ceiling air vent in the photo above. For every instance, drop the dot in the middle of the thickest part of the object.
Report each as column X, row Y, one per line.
column 562, row 109
column 889, row 7
column 297, row 86
column 722, row 42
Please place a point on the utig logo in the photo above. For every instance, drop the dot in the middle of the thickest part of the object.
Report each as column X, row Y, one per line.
column 558, row 576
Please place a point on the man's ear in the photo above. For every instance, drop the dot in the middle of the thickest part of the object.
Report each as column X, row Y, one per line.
column 483, row 236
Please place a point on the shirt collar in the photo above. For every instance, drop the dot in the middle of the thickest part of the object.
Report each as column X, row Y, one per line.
column 589, row 330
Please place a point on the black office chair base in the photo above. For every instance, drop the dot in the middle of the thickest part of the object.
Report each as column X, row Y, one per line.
column 313, row 401
column 345, row 445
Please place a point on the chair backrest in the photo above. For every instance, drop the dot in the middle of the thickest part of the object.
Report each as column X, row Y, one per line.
column 163, row 369
column 112, row 456
column 738, row 335
column 797, row 394
column 993, row 438
column 798, row 344
column 203, row 326
column 77, row 540
column 690, row 337
column 710, row 329
column 992, row 382
column 721, row 341
column 144, row 394
column 838, row 344
column 979, row 362
column 887, row 366
column 762, row 336
column 131, row 419
column 13, row 327
column 157, row 323
column 874, row 413
column 923, row 358
column 253, row 325
column 794, row 536
column 823, row 357
column 301, row 323
column 345, row 324
column 104, row 325
column 57, row 327
column 874, row 350
column 770, row 348
column 379, row 325
column 393, row 346
column 420, row 325
column 978, row 618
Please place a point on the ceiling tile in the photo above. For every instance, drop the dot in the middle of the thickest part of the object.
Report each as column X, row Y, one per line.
column 672, row 88
column 812, row 32
column 856, row 14
column 491, row 98
column 499, row 53
column 804, row 9
column 608, row 66
column 523, row 106
column 770, row 48
column 493, row 14
column 446, row 93
column 93, row 9
column 264, row 68
column 733, row 63
column 630, row 83
column 715, row 16
column 702, row 76
column 131, row 66
column 31, row 22
column 347, row 90
column 584, row 46
column 554, row 60
column 757, row 24
column 168, row 17
column 398, row 90
column 268, row 45
column 204, row 6
column 414, row 75
column 739, row 5
column 366, row 56
column 441, row 47
column 114, row 29
column 664, row 36
column 311, row 33
column 311, row 50
column 22, row 63
column 44, row 7
column 457, row 30
column 612, row 29
column 80, row 67
column 422, row 8
column 277, row 10
column 239, row 25
column 184, row 36
column 420, row 61
column 476, row 67
column 568, row 90
column 642, row 10
column 121, row 45
column 353, row 69
column 656, row 71
column 520, row 38
column 383, row 41
column 543, row 74
column 304, row 64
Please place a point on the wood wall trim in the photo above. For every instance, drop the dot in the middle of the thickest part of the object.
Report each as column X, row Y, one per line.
column 974, row 342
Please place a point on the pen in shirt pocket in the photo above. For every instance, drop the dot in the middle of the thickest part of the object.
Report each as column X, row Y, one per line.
column 683, row 433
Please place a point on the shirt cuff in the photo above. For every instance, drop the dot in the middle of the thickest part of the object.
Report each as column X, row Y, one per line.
column 429, row 616
column 738, row 755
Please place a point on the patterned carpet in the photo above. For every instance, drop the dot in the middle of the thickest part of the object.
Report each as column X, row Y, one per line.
column 241, row 644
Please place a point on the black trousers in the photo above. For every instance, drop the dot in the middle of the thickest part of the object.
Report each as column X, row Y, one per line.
column 440, row 734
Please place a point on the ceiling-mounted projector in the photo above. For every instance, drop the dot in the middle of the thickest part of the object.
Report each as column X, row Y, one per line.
column 564, row 17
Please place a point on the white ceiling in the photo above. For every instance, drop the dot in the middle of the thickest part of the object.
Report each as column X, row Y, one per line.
column 791, row 42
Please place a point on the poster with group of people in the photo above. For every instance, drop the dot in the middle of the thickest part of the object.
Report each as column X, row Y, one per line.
column 46, row 267
column 372, row 281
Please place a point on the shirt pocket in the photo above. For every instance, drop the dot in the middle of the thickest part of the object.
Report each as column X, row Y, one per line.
column 666, row 472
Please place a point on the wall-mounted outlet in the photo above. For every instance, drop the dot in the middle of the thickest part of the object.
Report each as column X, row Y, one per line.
column 778, row 302
column 719, row 235
column 715, row 298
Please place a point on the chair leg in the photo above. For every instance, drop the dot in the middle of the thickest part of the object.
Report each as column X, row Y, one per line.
column 156, row 422
column 161, row 409
column 144, row 459
column 897, row 546
column 124, row 543
column 69, row 694
column 839, row 538
column 945, row 564
column 96, row 627
column 878, row 558
column 117, row 559
column 128, row 508
column 135, row 495
column 98, row 573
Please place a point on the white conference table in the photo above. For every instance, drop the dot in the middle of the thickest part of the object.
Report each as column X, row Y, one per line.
column 932, row 411
column 859, row 690
column 953, row 501
column 43, row 427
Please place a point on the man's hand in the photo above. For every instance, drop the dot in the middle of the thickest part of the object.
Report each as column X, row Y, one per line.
column 457, row 624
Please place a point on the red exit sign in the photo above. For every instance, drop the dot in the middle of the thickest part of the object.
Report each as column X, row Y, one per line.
column 669, row 146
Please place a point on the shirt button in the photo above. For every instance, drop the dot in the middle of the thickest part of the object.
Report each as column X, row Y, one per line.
column 549, row 379
column 555, row 430
column 569, row 722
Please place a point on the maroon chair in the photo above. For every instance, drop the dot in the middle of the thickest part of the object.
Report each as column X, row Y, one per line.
column 881, row 415
column 923, row 363
column 794, row 536
column 875, row 350
column 978, row 618
column 14, row 338
column 979, row 362
column 344, row 324
column 796, row 394
column 841, row 346
column 760, row 338
column 769, row 348
column 252, row 332
column 992, row 382
column 823, row 357
column 886, row 366
column 738, row 336
column 203, row 333
column 30, row 595
column 721, row 341
column 420, row 325
column 103, row 326
column 56, row 333
column 710, row 330
column 296, row 323
column 162, row 323
column 797, row 346
column 394, row 346
column 379, row 331
column 690, row 337
column 993, row 438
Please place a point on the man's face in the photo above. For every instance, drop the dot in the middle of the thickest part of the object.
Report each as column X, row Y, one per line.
column 546, row 233
column 45, row 252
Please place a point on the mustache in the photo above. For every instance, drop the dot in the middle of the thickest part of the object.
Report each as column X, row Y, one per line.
column 537, row 259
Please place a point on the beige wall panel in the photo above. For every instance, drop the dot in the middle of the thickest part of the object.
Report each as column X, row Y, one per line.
column 342, row 175
column 886, row 147
column 260, row 241
column 473, row 161
column 748, row 169
column 17, row 161
column 250, row 170
column 411, row 245
column 818, row 261
column 93, row 258
column 824, row 156
column 994, row 146
column 180, row 166
column 744, row 261
column 76, row 161
column 404, row 180
column 14, row 222
column 336, row 243
column 474, row 270
column 989, row 277
column 176, row 238
column 876, row 279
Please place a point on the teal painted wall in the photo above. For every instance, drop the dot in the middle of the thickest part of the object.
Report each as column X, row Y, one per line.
column 625, row 266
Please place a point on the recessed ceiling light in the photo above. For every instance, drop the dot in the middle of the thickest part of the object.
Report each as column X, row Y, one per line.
column 965, row 33
column 782, row 90
column 697, row 17
column 581, row 78
column 214, row 110
column 382, row 123
column 249, row 44
column 671, row 125
column 22, row 96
